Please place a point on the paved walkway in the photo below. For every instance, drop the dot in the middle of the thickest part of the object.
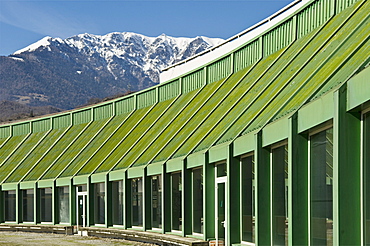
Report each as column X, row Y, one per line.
column 37, row 239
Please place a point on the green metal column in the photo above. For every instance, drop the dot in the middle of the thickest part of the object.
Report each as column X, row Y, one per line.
column 72, row 204
column 263, row 205
column 166, row 200
column 233, row 199
column 18, row 195
column 347, row 172
column 126, row 201
column 36, row 205
column 147, row 195
column 90, row 203
column 298, row 184
column 186, row 200
column 1, row 206
column 108, row 201
column 209, row 199
column 54, row 204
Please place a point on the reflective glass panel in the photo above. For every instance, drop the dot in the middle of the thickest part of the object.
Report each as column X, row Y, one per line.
column 10, row 205
column 46, row 204
column 248, row 221
column 176, row 207
column 137, row 201
column 321, row 169
column 157, row 201
column 117, row 202
column 28, row 205
column 198, row 200
column 63, row 204
column 280, row 195
column 99, row 203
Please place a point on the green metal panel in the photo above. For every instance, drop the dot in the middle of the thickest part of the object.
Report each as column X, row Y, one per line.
column 98, row 177
column 125, row 105
column 45, row 183
column 21, row 129
column 195, row 160
column 63, row 181
column 82, row 116
column 347, row 178
column 314, row 15
column 41, row 125
column 247, row 55
column 20, row 153
column 343, row 4
column 4, row 132
column 103, row 111
column 135, row 172
column 174, row 165
column 61, row 121
column 114, row 141
column 154, row 169
column 84, row 179
column 193, row 81
column 33, row 158
column 147, row 98
column 12, row 186
column 278, row 38
column 358, row 89
column 219, row 69
column 218, row 152
column 169, row 90
column 10, row 146
column 244, row 144
column 27, row 185
column 275, row 132
column 53, row 156
column 116, row 175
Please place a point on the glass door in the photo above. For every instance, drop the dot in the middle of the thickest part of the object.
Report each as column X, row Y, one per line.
column 81, row 209
column 221, row 211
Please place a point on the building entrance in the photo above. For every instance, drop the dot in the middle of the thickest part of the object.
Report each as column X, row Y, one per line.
column 221, row 211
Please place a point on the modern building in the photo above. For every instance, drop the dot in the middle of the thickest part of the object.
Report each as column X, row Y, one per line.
column 265, row 140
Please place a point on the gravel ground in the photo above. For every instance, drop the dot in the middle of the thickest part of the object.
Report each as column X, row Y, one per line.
column 37, row 239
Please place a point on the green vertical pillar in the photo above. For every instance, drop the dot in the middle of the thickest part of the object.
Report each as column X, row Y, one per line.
column 72, row 203
column 36, row 205
column 1, row 206
column 90, row 203
column 126, row 201
column 186, row 200
column 347, row 172
column 18, row 195
column 166, row 200
column 209, row 220
column 54, row 204
column 108, row 201
column 147, row 195
column 263, row 205
column 233, row 197
column 297, row 185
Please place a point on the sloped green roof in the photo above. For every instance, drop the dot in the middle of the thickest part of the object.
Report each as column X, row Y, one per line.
column 203, row 115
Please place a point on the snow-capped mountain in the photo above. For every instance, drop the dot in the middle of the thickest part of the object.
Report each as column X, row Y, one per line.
column 53, row 70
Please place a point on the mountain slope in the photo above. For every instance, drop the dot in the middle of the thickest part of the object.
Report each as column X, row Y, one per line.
column 66, row 73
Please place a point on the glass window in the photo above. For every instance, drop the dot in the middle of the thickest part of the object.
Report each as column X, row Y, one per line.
column 198, row 200
column 99, row 203
column 176, row 201
column 46, row 204
column 82, row 188
column 221, row 170
column 28, row 205
column 248, row 219
column 63, row 204
column 137, row 201
column 367, row 177
column 10, row 205
column 157, row 201
column 117, row 202
column 280, row 195
column 321, row 179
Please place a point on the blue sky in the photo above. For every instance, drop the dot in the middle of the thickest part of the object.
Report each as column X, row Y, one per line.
column 25, row 22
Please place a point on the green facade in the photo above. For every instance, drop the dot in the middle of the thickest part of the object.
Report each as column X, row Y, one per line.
column 267, row 145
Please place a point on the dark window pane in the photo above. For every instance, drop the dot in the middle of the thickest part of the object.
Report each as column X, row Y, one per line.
column 63, row 204
column 176, row 208
column 157, row 201
column 137, row 201
column 10, row 205
column 117, row 202
column 46, row 204
column 198, row 200
column 28, row 205
column 248, row 226
column 99, row 203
